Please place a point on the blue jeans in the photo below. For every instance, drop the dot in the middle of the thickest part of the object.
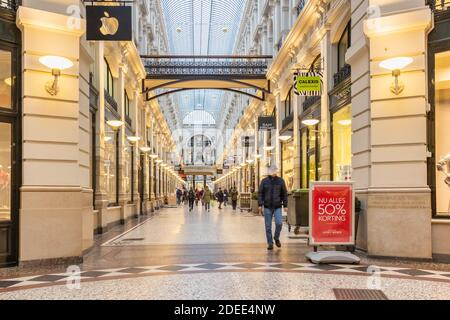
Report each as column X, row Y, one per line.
column 268, row 216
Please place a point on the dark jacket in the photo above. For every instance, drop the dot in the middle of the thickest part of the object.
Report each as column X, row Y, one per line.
column 219, row 196
column 273, row 193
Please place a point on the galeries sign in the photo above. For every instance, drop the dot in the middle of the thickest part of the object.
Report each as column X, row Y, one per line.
column 109, row 23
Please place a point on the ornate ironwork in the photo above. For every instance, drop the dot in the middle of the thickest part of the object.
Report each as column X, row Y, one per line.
column 8, row 4
column 110, row 101
column 175, row 67
column 440, row 7
column 311, row 101
column 236, row 70
column 341, row 75
column 287, row 120
column 300, row 6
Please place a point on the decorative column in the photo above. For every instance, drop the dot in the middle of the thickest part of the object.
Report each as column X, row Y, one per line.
column 297, row 141
column 52, row 200
column 399, row 198
column 124, row 196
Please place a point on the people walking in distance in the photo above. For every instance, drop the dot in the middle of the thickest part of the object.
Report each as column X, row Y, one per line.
column 179, row 195
column 234, row 194
column 185, row 196
column 198, row 197
column 220, row 197
column 273, row 196
column 207, row 195
column 191, row 199
column 226, row 196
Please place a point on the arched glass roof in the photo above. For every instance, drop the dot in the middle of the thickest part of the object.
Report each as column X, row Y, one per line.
column 199, row 117
column 202, row 27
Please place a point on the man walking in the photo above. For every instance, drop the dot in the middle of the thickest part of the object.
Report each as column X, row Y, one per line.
column 234, row 198
column 273, row 196
column 207, row 195
column 220, row 197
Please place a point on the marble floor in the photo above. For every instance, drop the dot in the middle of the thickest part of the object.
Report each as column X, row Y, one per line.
column 177, row 254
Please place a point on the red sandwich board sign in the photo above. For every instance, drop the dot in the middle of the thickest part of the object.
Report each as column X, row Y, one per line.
column 332, row 213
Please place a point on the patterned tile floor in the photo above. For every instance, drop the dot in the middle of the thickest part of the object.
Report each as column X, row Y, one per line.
column 209, row 253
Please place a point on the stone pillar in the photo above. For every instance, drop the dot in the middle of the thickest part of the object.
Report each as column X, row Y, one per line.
column 398, row 196
column 277, row 131
column 124, row 196
column 51, row 214
column 297, row 141
column 325, row 123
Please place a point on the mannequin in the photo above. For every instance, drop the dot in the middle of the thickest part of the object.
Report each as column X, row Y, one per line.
column 444, row 166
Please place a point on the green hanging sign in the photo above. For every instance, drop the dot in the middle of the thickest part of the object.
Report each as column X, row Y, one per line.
column 308, row 84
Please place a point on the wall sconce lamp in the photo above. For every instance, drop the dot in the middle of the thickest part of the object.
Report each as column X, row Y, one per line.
column 284, row 138
column 145, row 149
column 56, row 64
column 115, row 124
column 310, row 122
column 133, row 139
column 396, row 65
column 269, row 148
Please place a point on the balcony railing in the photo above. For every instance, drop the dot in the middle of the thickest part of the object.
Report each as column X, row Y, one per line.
column 288, row 120
column 128, row 120
column 300, row 6
column 439, row 6
column 110, row 100
column 341, row 75
column 8, row 4
column 310, row 101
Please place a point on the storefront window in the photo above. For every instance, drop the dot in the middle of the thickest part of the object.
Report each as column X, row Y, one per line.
column 310, row 155
column 110, row 167
column 6, row 80
column 126, row 174
column 304, row 144
column 288, row 164
column 109, row 79
column 342, row 144
column 5, row 172
column 442, row 133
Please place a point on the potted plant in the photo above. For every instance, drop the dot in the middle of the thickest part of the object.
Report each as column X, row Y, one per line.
column 255, row 202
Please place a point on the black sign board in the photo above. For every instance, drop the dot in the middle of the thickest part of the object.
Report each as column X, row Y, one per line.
column 219, row 171
column 248, row 141
column 107, row 23
column 267, row 123
column 226, row 167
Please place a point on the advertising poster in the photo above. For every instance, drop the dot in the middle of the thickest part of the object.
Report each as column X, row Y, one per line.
column 332, row 214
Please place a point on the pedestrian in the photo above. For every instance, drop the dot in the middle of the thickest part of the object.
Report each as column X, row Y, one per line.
column 234, row 194
column 185, row 196
column 220, row 197
column 191, row 199
column 226, row 196
column 207, row 195
column 273, row 196
column 198, row 196
column 179, row 195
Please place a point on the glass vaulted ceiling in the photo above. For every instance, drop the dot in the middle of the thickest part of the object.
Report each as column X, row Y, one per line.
column 202, row 27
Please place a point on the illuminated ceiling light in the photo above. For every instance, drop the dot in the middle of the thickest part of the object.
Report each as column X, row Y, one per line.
column 310, row 122
column 108, row 139
column 396, row 65
column 258, row 156
column 345, row 122
column 225, row 29
column 179, row 29
column 56, row 64
column 115, row 124
column 269, row 148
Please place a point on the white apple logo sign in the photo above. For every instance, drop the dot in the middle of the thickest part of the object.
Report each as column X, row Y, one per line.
column 110, row 25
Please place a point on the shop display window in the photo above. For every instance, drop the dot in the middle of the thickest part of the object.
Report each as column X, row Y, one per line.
column 110, row 167
column 6, row 80
column 126, row 174
column 442, row 133
column 288, row 164
column 5, row 171
column 342, row 144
